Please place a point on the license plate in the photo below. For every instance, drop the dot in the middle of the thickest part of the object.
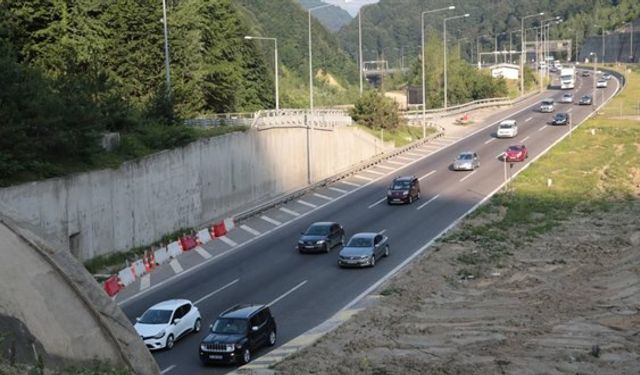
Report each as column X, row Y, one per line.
column 215, row 357
column 309, row 247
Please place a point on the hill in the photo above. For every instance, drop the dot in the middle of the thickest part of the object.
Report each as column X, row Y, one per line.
column 333, row 17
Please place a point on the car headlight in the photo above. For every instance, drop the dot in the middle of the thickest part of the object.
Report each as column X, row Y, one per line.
column 203, row 347
column 405, row 193
column 320, row 242
column 230, row 348
column 300, row 242
column 159, row 335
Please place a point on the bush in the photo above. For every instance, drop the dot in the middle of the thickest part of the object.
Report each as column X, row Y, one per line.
column 376, row 111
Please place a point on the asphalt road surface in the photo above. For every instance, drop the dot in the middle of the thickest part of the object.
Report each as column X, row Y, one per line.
column 305, row 290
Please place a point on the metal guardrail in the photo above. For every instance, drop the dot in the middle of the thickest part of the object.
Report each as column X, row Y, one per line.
column 219, row 119
column 287, row 118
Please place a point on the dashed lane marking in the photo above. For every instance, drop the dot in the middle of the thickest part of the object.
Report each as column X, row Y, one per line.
column 337, row 189
column 385, row 167
column 363, row 177
column 467, row 176
column 270, row 220
column 228, row 241
column 168, row 369
column 350, row 183
column 427, row 202
column 288, row 211
column 145, row 281
column 307, row 203
column 525, row 138
column 247, row 228
column 427, row 175
column 414, row 154
column 542, row 128
column 374, row 172
column 395, row 162
column 322, row 196
column 377, row 202
column 529, row 119
column 489, row 141
column 404, row 158
column 216, row 291
column 287, row 293
column 175, row 266
column 202, row 252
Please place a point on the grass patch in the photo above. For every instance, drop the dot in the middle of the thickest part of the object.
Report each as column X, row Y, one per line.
column 401, row 136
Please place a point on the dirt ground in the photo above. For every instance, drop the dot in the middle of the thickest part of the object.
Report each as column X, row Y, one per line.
column 565, row 303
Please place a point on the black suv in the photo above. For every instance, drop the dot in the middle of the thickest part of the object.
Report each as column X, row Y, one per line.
column 560, row 118
column 238, row 332
column 322, row 236
column 403, row 190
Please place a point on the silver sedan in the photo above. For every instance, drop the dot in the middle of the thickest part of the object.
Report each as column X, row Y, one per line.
column 363, row 249
column 466, row 161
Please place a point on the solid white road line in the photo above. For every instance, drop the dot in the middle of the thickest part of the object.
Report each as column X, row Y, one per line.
column 322, row 196
column 350, row 183
column 489, row 141
column 427, row 202
column 467, row 176
column 145, row 281
column 363, row 177
column 525, row 138
column 337, row 189
column 270, row 220
column 216, row 291
column 175, row 265
column 395, row 162
column 288, row 211
column 287, row 293
column 228, row 241
column 427, row 175
column 500, row 155
column 529, row 119
column 542, row 128
column 307, row 203
column 168, row 369
column 247, row 228
column 385, row 167
column 202, row 252
column 377, row 202
column 374, row 172
column 569, row 110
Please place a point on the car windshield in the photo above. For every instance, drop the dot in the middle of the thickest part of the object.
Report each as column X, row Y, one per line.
column 359, row 242
column 400, row 185
column 229, row 326
column 567, row 95
column 547, row 102
column 586, row 97
column 317, row 230
column 465, row 157
column 156, row 317
column 560, row 115
column 506, row 126
column 514, row 149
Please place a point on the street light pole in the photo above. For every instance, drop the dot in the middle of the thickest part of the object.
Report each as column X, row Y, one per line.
column 166, row 47
column 445, row 53
column 275, row 40
column 523, row 52
column 360, row 47
column 311, row 56
column 631, row 43
column 595, row 63
column 424, row 90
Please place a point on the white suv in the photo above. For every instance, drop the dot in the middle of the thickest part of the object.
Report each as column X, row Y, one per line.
column 507, row 129
column 547, row 105
column 166, row 322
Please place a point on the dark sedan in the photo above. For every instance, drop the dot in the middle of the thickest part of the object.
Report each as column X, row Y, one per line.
column 363, row 249
column 560, row 118
column 585, row 100
column 321, row 237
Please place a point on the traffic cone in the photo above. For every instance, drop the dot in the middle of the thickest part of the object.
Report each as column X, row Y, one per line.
column 147, row 266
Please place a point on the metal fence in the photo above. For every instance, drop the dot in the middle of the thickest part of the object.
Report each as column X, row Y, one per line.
column 293, row 118
column 240, row 118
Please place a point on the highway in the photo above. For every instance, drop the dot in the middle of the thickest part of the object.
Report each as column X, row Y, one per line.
column 305, row 290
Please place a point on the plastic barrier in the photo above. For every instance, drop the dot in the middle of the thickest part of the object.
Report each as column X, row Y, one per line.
column 126, row 276
column 204, row 236
column 188, row 243
column 149, row 261
column 161, row 255
column 138, row 268
column 229, row 224
column 174, row 249
column 112, row 286
column 218, row 230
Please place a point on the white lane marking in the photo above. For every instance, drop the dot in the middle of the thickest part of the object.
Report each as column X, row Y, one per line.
column 413, row 154
column 175, row 266
column 500, row 155
column 382, row 231
column 395, row 162
column 467, row 176
column 542, row 128
column 270, row 220
column 374, row 172
column 377, row 202
column 529, row 119
column 427, row 202
column 350, row 183
column 247, row 228
column 307, row 204
column 228, row 241
column 322, row 196
column 337, row 189
column 287, row 293
column 525, row 138
column 216, row 291
column 427, row 175
column 489, row 141
column 202, row 252
column 288, row 211
column 168, row 369
column 145, row 281
column 404, row 158
column 363, row 177
column 569, row 110
column 385, row 167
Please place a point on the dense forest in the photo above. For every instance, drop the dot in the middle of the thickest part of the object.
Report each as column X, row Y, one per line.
column 331, row 17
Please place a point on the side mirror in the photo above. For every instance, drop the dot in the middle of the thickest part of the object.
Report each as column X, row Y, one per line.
column 255, row 328
column 137, row 319
column 176, row 320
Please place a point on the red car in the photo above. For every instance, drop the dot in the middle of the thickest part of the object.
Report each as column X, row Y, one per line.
column 516, row 153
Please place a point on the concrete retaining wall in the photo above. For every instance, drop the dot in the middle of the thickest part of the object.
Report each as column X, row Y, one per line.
column 111, row 210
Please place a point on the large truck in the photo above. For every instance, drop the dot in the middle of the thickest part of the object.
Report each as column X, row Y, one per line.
column 567, row 78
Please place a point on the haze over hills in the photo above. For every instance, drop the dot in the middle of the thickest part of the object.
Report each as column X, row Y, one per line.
column 332, row 17
column 351, row 6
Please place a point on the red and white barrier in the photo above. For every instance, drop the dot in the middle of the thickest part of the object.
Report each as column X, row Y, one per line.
column 218, row 230
column 126, row 276
column 188, row 242
column 229, row 224
column 138, row 268
column 204, row 236
column 112, row 286
column 174, row 249
column 161, row 255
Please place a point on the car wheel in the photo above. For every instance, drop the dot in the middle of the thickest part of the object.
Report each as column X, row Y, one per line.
column 326, row 247
column 373, row 260
column 410, row 198
column 419, row 196
column 170, row 342
column 197, row 325
column 246, row 355
column 342, row 240
column 272, row 338
column 386, row 251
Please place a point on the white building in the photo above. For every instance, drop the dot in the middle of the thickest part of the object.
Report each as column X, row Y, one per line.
column 506, row 71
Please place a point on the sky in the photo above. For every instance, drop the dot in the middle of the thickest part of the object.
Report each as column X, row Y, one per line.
column 350, row 6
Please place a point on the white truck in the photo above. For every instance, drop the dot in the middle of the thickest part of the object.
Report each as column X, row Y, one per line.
column 567, row 78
